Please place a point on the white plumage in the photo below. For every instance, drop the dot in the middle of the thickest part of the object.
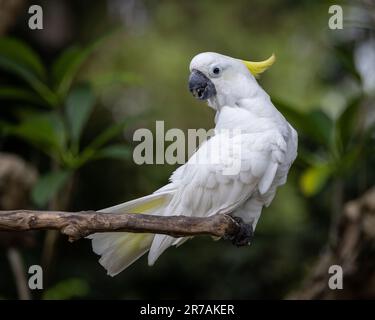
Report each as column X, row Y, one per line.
column 249, row 131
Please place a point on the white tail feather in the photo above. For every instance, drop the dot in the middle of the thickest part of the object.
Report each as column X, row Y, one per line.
column 159, row 245
column 119, row 250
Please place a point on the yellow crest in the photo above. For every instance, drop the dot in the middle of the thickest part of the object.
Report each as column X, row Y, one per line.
column 257, row 67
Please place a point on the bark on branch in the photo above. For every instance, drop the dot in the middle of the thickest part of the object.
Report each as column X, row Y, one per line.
column 77, row 225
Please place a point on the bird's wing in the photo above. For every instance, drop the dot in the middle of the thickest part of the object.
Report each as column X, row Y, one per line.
column 224, row 172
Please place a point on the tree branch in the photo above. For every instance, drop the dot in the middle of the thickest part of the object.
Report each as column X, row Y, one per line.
column 77, row 225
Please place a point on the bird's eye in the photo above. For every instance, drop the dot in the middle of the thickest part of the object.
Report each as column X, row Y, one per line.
column 216, row 70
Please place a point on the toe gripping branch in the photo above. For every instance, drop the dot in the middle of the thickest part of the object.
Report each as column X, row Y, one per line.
column 243, row 234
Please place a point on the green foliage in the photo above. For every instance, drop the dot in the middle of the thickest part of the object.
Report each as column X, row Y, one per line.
column 20, row 60
column 67, row 289
column 340, row 143
column 67, row 65
column 115, row 152
column 19, row 53
column 56, row 132
column 44, row 130
column 315, row 124
column 20, row 94
column 48, row 185
column 79, row 105
column 346, row 126
column 314, row 178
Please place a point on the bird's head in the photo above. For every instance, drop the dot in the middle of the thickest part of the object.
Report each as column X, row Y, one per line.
column 219, row 77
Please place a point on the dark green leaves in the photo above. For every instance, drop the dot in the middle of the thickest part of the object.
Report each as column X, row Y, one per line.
column 79, row 104
column 337, row 144
column 319, row 126
column 65, row 69
column 315, row 125
column 19, row 59
column 345, row 128
column 58, row 132
column 44, row 130
column 67, row 65
column 22, row 61
column 109, row 133
column 48, row 185
column 10, row 93
column 16, row 51
column 115, row 151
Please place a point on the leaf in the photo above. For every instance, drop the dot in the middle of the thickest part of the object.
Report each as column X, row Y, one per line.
column 31, row 78
column 351, row 160
column 67, row 289
column 115, row 151
column 67, row 65
column 309, row 158
column 19, row 94
column 22, row 54
column 47, row 187
column 320, row 127
column 59, row 130
column 91, row 150
column 314, row 178
column 44, row 130
column 346, row 123
column 64, row 69
column 109, row 133
column 344, row 55
column 79, row 105
column 315, row 125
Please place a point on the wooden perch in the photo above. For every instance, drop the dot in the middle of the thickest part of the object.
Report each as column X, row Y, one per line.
column 77, row 225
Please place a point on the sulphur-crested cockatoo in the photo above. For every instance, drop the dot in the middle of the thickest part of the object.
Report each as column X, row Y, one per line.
column 234, row 172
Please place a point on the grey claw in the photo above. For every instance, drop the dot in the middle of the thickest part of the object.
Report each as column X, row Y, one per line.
column 244, row 235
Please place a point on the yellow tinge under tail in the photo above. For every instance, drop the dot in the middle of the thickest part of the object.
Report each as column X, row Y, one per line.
column 118, row 250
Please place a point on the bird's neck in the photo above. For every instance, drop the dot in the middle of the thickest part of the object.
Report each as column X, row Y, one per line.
column 249, row 113
column 233, row 98
column 256, row 101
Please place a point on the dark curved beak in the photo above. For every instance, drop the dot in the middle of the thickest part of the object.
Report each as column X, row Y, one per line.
column 200, row 86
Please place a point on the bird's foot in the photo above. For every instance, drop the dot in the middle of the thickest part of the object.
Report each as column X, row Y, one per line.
column 244, row 235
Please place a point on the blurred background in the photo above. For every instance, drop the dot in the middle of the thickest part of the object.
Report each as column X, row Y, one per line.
column 73, row 93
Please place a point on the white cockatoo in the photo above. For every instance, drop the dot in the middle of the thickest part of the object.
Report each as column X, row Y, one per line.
column 260, row 141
